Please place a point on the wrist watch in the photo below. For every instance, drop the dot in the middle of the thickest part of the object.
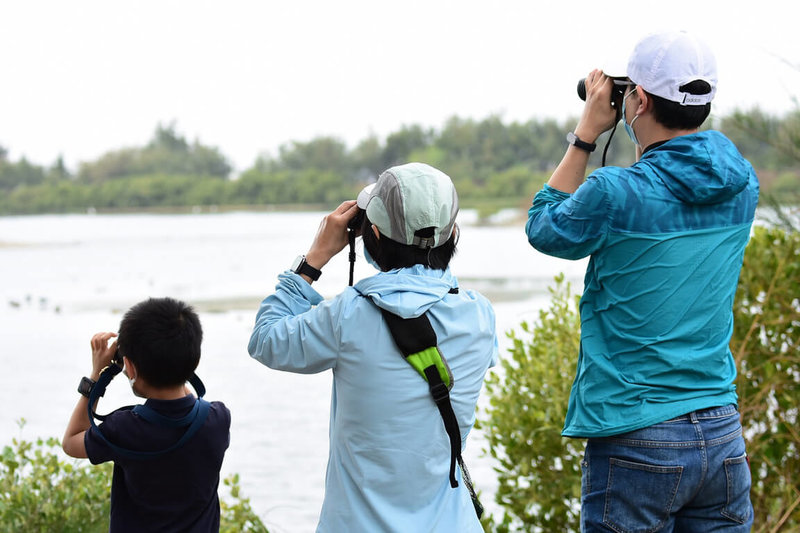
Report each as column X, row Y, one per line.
column 299, row 266
column 583, row 145
column 86, row 385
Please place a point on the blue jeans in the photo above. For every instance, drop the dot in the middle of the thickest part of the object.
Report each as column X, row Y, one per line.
column 688, row 474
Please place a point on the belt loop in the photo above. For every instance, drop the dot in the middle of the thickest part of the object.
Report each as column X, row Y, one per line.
column 693, row 417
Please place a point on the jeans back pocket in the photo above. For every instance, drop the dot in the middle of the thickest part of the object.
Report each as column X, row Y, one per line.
column 737, row 473
column 639, row 497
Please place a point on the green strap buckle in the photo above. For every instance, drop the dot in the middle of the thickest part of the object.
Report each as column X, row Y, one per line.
column 427, row 357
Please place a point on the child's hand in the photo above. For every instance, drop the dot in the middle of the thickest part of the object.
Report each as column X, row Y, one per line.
column 102, row 352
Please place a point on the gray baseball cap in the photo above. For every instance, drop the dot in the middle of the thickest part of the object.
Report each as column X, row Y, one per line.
column 408, row 198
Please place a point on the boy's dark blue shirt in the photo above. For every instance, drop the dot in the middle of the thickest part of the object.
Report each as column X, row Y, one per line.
column 173, row 492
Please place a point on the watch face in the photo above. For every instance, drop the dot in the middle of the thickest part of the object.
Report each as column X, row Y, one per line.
column 85, row 386
column 297, row 262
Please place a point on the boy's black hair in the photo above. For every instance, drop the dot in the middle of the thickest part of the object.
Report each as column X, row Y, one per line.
column 162, row 338
column 675, row 116
column 391, row 254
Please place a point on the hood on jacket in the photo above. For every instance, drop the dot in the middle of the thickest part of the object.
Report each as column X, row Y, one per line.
column 407, row 292
column 723, row 172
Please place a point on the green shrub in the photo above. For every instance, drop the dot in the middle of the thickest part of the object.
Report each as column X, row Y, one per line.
column 539, row 472
column 766, row 345
column 238, row 516
column 40, row 491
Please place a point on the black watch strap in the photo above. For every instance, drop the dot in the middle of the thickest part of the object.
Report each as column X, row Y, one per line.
column 301, row 267
column 86, row 385
column 575, row 141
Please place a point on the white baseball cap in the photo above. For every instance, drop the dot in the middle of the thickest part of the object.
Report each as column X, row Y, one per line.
column 411, row 197
column 662, row 63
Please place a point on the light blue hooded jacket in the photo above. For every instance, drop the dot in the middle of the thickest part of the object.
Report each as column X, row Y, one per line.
column 389, row 455
column 666, row 238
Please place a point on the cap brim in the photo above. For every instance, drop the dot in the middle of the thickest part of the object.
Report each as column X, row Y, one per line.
column 364, row 196
column 615, row 68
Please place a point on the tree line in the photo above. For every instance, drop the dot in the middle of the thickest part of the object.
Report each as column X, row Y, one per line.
column 489, row 160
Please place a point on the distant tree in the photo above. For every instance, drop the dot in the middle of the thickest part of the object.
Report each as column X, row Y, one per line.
column 167, row 154
column 400, row 144
column 459, row 139
column 515, row 182
column 20, row 174
column 58, row 171
column 769, row 142
column 367, row 159
column 492, row 163
column 208, row 161
column 165, row 138
column 111, row 165
column 327, row 154
column 310, row 186
column 259, row 186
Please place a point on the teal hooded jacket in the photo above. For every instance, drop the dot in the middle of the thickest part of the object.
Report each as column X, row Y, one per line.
column 389, row 456
column 666, row 239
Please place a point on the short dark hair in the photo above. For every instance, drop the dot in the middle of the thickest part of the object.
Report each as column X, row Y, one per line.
column 391, row 254
column 675, row 116
column 162, row 338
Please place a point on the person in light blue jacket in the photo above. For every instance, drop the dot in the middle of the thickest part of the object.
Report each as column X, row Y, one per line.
column 389, row 458
column 654, row 387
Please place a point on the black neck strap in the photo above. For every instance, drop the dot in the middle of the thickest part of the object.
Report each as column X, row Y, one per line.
column 351, row 237
column 412, row 335
column 110, row 372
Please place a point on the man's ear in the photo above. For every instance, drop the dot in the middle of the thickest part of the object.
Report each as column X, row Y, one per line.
column 376, row 232
column 645, row 102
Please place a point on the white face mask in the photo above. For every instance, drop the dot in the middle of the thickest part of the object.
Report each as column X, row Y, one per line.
column 629, row 127
column 131, row 382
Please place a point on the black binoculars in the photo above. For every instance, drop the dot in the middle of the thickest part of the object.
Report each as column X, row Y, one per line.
column 356, row 222
column 617, row 91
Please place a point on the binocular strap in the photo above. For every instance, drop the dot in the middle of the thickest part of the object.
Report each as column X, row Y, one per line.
column 193, row 421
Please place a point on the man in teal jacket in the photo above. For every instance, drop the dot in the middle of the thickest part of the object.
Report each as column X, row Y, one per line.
column 389, row 459
column 654, row 387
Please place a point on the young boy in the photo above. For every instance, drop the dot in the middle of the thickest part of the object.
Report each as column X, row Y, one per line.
column 159, row 342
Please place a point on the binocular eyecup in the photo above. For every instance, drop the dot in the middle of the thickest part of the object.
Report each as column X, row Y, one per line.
column 582, row 89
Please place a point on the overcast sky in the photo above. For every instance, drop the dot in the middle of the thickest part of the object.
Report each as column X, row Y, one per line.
column 80, row 78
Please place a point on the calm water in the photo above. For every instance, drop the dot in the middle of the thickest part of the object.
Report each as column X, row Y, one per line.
column 67, row 277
